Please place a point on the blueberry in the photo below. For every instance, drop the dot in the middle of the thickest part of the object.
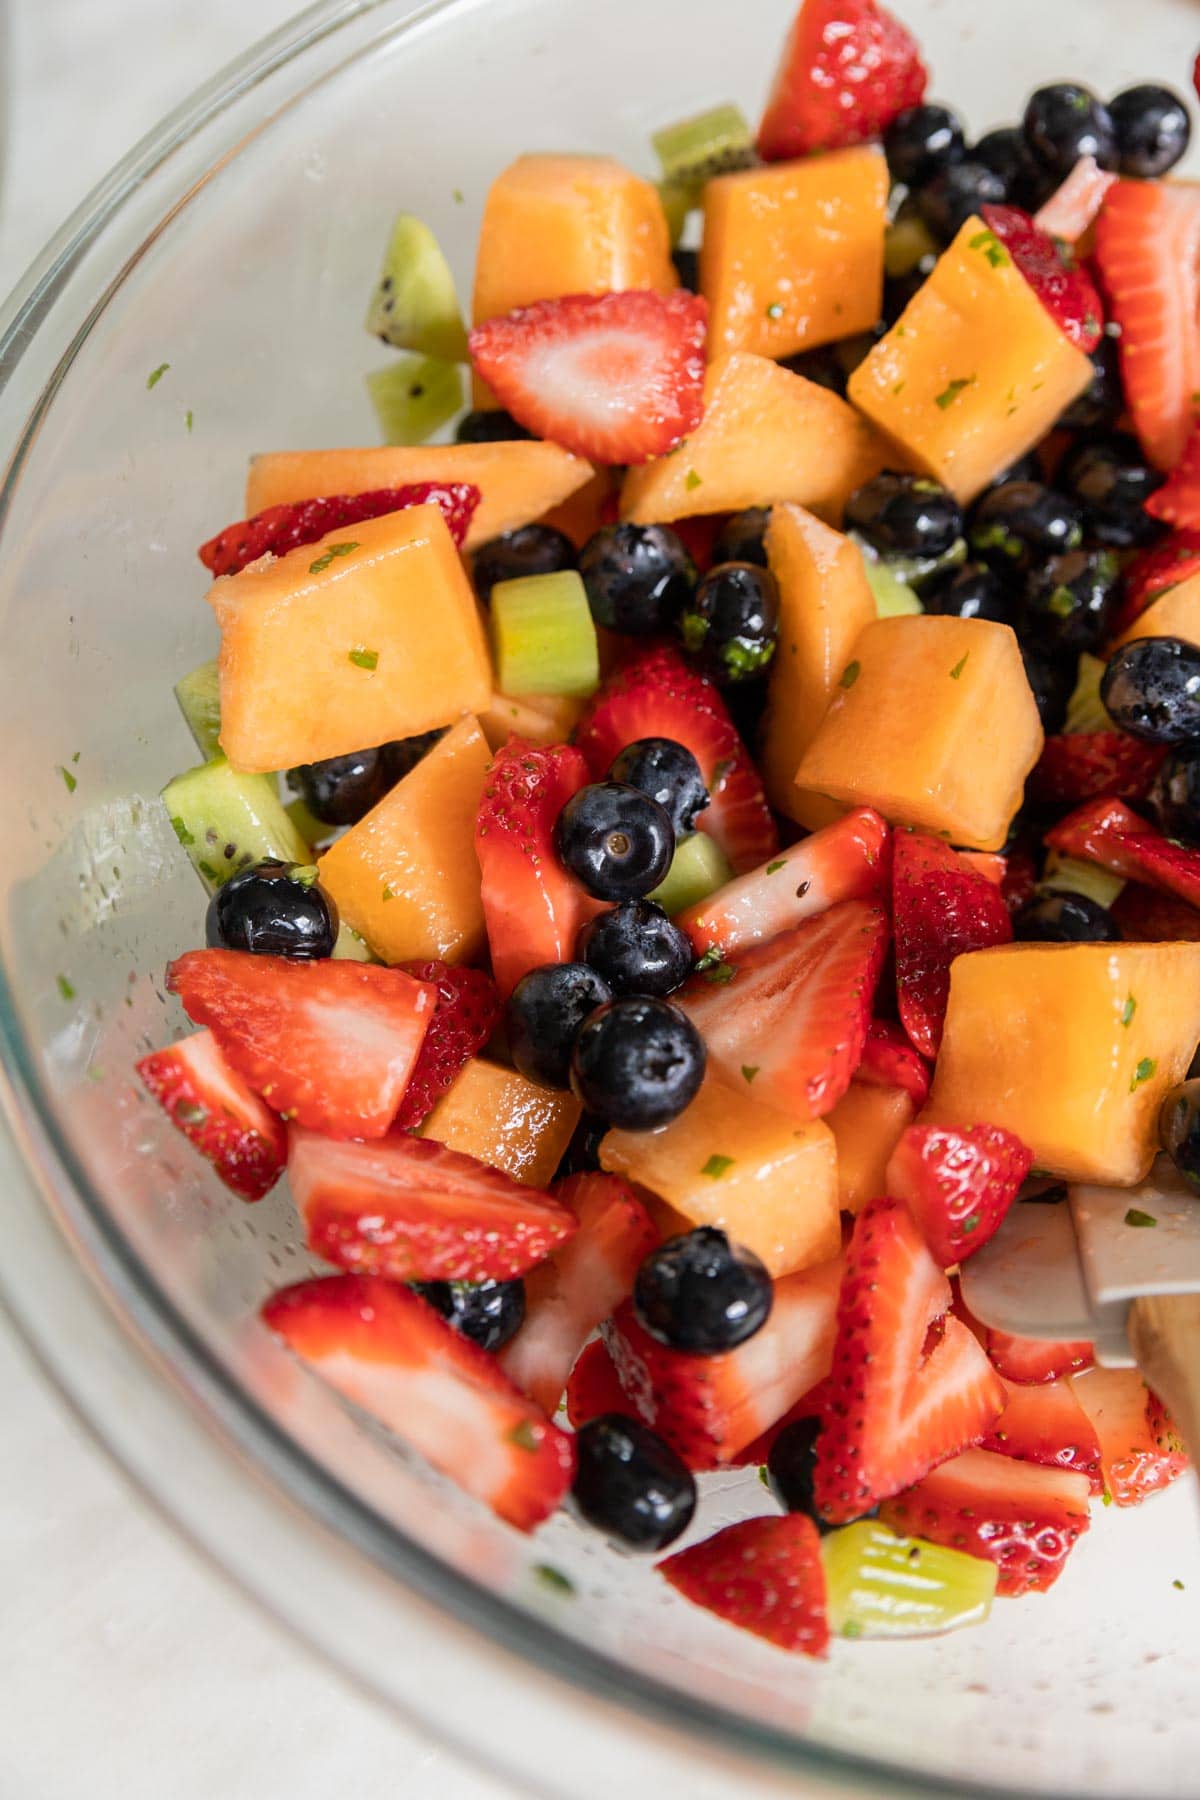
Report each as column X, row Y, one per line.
column 702, row 1294
column 530, row 550
column 973, row 592
column 1153, row 130
column 1112, row 480
column 487, row 1312
column 955, row 194
column 1102, row 401
column 631, row 1484
column 1151, row 689
column 637, row 577
column 638, row 1063
column 1179, row 1129
column 273, row 909
column 491, row 427
column 687, row 268
column 1066, row 121
column 401, row 757
column 1021, row 523
column 1050, row 682
column 669, row 773
column 616, row 840
column 582, row 1154
column 905, row 515
column 1058, row 918
column 1026, row 468
column 636, row 949
column 1068, row 601
column 1005, row 152
column 341, row 789
column 821, row 366
column 1175, row 796
column 742, row 538
column 731, row 623
column 791, row 1462
column 544, row 1014
column 920, row 141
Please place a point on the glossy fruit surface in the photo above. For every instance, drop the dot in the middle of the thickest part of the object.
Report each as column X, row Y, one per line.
column 702, row 1294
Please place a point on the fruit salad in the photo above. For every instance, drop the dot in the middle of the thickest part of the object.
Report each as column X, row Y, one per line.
column 687, row 850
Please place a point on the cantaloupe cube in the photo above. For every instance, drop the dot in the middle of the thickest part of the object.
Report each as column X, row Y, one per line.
column 538, row 718
column 974, row 372
column 406, row 876
column 517, row 481
column 582, row 513
column 495, row 1115
column 867, row 1123
column 1174, row 614
column 824, row 606
column 766, row 435
column 1070, row 1046
column 370, row 634
column 726, row 1161
column 934, row 725
column 792, row 253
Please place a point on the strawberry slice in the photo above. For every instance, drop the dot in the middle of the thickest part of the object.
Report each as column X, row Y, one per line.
column 583, row 1282
column 910, row 1385
column 283, row 528
column 1020, row 1516
column 791, row 1015
column 1141, row 1452
column 709, row 1408
column 1151, row 572
column 957, row 1184
column 389, row 1352
column 762, row 1575
column 532, row 908
column 594, row 1387
column 941, row 908
column 616, row 378
column 1177, row 501
column 1089, row 765
column 1073, row 206
column 1109, row 833
column 468, row 1011
column 1047, row 1425
column 848, row 67
column 413, row 1210
column 329, row 1044
column 1020, row 878
column 217, row 1112
column 1064, row 287
column 843, row 861
column 1035, row 1361
column 658, row 694
column 1148, row 255
column 809, row 1406
column 889, row 1060
column 1147, row 917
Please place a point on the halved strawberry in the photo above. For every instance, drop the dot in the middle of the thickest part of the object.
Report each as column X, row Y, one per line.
column 594, row 1387
column 1140, row 1450
column 941, row 908
column 658, row 694
column 283, row 528
column 1151, row 572
column 1064, row 287
column 763, row 1575
column 584, row 1281
column 617, row 378
column 958, row 1184
column 413, row 1210
column 889, row 1060
column 1020, row 877
column 1088, row 765
column 217, row 1112
column 1177, row 501
column 329, row 1044
column 910, row 1385
column 468, row 1011
column 1023, row 1517
column 848, row 67
column 809, row 1406
column 1076, row 202
column 790, row 1016
column 386, row 1349
column 1152, row 918
column 1148, row 255
column 532, row 907
column 1047, row 1425
column 710, row 1407
column 1109, row 833
column 1034, row 1361
column 847, row 860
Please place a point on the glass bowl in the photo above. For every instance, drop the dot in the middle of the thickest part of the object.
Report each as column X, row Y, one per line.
column 236, row 246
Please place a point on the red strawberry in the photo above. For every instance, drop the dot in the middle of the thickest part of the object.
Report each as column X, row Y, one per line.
column 763, row 1575
column 467, row 1013
column 283, row 528
column 698, row 536
column 532, row 907
column 1073, row 206
column 941, row 908
column 1020, row 877
column 1020, row 1516
column 329, row 1044
column 1140, row 1450
column 1177, row 501
column 1151, row 572
column 413, row 1210
column 617, row 378
column 1047, row 1425
column 1151, row 918
column 594, row 1387
column 658, row 694
column 1163, row 863
column 1148, row 255
column 1034, row 1361
column 910, row 1385
column 710, row 1407
column 848, row 67
column 889, row 1060
column 790, row 1016
column 843, row 861
column 1111, row 834
column 1086, row 765
column 957, row 1184
column 809, row 1406
column 1064, row 287
column 583, row 1282
column 218, row 1113
column 386, row 1349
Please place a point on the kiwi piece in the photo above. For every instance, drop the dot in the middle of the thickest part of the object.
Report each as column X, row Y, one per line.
column 544, row 636
column 893, row 596
column 414, row 397
column 199, row 697
column 710, row 143
column 1085, row 709
column 698, row 868
column 1070, row 875
column 680, row 199
column 226, row 819
column 349, row 947
column 415, row 306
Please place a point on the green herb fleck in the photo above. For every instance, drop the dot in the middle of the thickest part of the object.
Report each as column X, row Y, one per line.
column 950, row 394
column 1090, row 322
column 188, row 419
column 692, row 481
column 971, row 1223
column 65, row 990
column 304, row 873
column 716, row 1166
column 714, row 968
column 850, row 674
column 901, row 331
column 1143, row 1072
column 156, row 375
column 989, row 243
column 75, row 755
column 363, row 658
column 750, row 1070
column 773, row 868
column 775, row 310
column 334, row 551
column 523, row 1435
column 553, row 1578
column 1177, row 1584
column 959, row 666
column 458, row 197
column 899, row 389
column 69, row 781
column 188, row 1112
column 1061, row 602
column 1128, row 1010
column 852, row 1629
column 1106, row 1498
column 1135, row 1216
column 181, row 831
column 388, row 894
column 763, row 1476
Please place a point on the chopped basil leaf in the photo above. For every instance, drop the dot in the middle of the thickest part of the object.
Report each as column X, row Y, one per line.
column 773, row 868
column 1128, row 1010
column 1106, row 1498
column 716, row 1166
column 187, row 419
column 750, row 1070
column 763, row 1476
column 692, row 481
column 388, row 894
column 1177, row 1584
column 959, row 666
column 850, row 674
column 363, row 658
column 1135, row 1216
column 189, row 1113
column 551, row 1577
column 950, row 393
column 989, row 243
column 156, row 375
column 66, row 991
column 1143, row 1072
column 523, row 1435
column 334, row 550
column 69, row 781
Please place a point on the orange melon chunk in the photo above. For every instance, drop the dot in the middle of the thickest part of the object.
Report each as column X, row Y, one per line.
column 367, row 635
column 867, row 1123
column 792, row 254
column 974, row 372
column 934, row 725
column 767, row 435
column 406, row 877
column 495, row 1115
column 1174, row 614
